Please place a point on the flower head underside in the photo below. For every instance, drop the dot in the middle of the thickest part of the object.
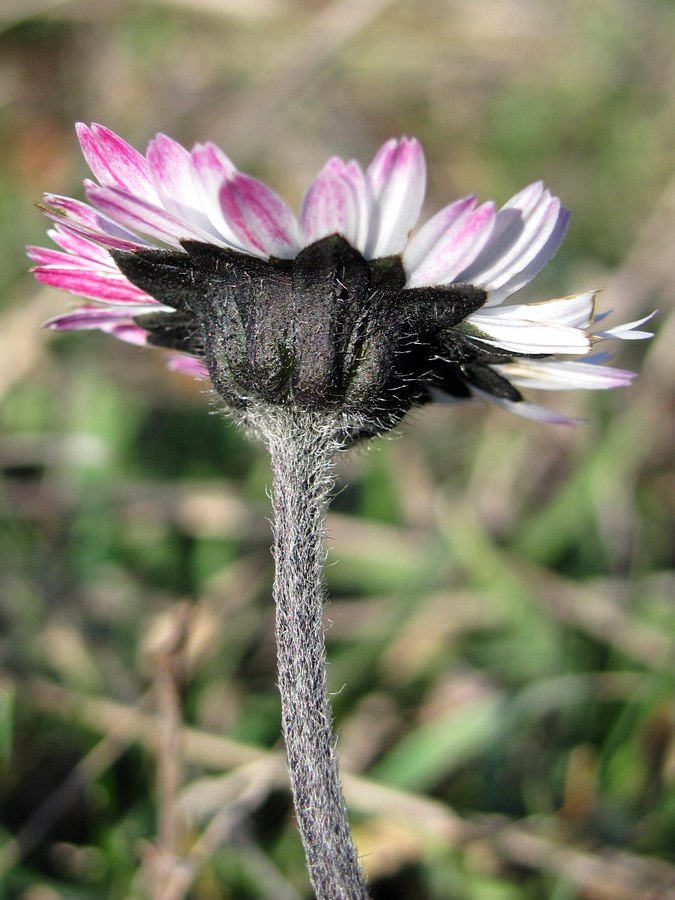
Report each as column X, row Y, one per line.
column 343, row 307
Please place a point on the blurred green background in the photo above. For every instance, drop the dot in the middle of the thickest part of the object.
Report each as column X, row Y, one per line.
column 501, row 624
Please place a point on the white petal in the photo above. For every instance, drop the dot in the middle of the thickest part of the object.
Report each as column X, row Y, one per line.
column 454, row 247
column 627, row 332
column 575, row 311
column 212, row 168
column 141, row 216
column 528, row 231
column 522, row 336
column 397, row 180
column 528, row 410
column 562, row 375
column 173, row 176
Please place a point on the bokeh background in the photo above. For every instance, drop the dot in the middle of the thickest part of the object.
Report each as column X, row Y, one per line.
column 501, row 631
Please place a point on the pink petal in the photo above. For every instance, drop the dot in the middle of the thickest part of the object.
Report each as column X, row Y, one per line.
column 44, row 256
column 212, row 168
column 78, row 246
column 457, row 245
column 129, row 332
column 173, row 175
column 331, row 206
column 431, row 232
column 397, row 179
column 94, row 285
column 114, row 162
column 188, row 365
column 96, row 317
column 259, row 218
column 83, row 220
column 145, row 217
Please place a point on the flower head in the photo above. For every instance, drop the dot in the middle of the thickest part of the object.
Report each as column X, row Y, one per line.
column 336, row 308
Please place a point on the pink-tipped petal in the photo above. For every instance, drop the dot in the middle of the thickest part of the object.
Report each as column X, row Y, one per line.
column 397, row 180
column 173, row 175
column 88, row 318
column 145, row 217
column 423, row 243
column 106, row 286
column 83, row 220
column 365, row 209
column 259, row 218
column 78, row 246
column 212, row 168
column 114, row 162
column 461, row 242
column 331, row 206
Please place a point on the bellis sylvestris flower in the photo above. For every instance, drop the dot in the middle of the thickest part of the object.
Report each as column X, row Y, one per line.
column 337, row 307
column 318, row 330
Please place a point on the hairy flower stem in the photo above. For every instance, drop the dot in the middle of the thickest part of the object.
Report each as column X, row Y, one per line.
column 302, row 448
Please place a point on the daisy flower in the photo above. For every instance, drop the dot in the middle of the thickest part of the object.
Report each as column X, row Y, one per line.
column 344, row 305
column 317, row 330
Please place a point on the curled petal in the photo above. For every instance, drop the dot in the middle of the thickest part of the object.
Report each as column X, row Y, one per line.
column 553, row 326
column 575, row 311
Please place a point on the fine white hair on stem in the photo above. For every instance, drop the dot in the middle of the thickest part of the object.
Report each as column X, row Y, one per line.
column 302, row 448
